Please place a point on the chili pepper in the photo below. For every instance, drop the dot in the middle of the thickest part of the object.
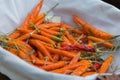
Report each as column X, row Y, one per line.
column 56, row 38
column 79, row 47
column 97, row 66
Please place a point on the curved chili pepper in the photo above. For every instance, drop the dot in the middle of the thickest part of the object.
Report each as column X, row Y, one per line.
column 78, row 47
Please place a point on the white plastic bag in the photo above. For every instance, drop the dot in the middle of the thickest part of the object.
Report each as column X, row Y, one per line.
column 13, row 13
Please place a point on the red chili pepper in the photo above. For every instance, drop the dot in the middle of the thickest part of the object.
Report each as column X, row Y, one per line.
column 79, row 47
column 97, row 66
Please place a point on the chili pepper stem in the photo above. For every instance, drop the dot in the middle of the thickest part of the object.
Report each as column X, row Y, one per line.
column 46, row 13
column 54, row 45
column 29, row 53
column 61, row 30
column 115, row 69
column 115, row 36
column 46, row 59
column 33, row 61
column 79, row 38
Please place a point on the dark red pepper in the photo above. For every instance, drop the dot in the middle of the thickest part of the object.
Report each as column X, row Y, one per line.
column 97, row 66
column 79, row 47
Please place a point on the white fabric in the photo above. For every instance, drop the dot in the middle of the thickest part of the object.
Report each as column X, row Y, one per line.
column 13, row 12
